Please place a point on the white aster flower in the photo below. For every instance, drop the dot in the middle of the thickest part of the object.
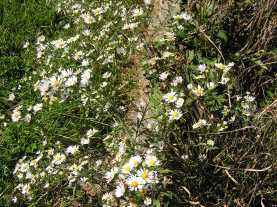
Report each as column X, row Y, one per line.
column 170, row 97
column 71, row 81
column 58, row 44
column 146, row 175
column 16, row 115
column 110, row 174
column 73, row 149
column 147, row 201
column 11, row 97
column 88, row 19
column 163, row 76
column 151, row 161
column 106, row 75
column 201, row 123
column 175, row 114
column 135, row 183
column 177, row 80
column 135, row 160
column 201, row 68
column 37, row 107
column 91, row 132
column 120, row 190
column 85, row 141
column 58, row 158
column 85, row 77
column 179, row 102
column 199, row 91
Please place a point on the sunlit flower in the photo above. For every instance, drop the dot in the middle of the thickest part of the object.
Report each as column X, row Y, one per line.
column 110, row 174
column 175, row 114
column 71, row 81
column 60, row 43
column 37, row 107
column 135, row 183
column 201, row 68
column 201, row 123
column 85, row 141
column 135, row 160
column 170, row 97
column 199, row 91
column 151, row 161
column 146, row 175
column 58, row 158
column 163, row 75
column 88, row 19
column 120, row 190
column 73, row 149
column 85, row 77
column 127, row 168
column 16, row 115
column 11, row 97
column 179, row 102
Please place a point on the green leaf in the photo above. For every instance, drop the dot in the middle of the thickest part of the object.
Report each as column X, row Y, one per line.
column 223, row 35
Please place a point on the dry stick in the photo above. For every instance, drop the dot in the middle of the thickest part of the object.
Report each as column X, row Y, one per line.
column 209, row 39
column 233, row 179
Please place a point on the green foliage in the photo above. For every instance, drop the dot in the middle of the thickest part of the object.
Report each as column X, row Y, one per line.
column 20, row 21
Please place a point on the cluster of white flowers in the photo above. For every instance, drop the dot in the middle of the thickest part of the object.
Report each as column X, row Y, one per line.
column 137, row 175
column 176, row 102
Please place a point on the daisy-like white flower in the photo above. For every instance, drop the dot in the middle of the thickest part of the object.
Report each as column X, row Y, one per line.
column 220, row 66
column 147, row 201
column 88, row 19
column 199, row 91
column 147, row 2
column 106, row 75
column 201, row 68
column 146, row 175
column 170, row 97
column 151, row 160
column 16, row 115
column 73, row 149
column 85, row 77
column 37, row 107
column 58, row 158
column 127, row 168
column 11, row 97
column 71, row 81
column 135, row 160
column 43, row 87
column 85, row 141
column 120, row 190
column 110, row 174
column 130, row 26
column 58, row 44
column 163, row 76
column 135, row 183
column 177, row 80
column 66, row 73
column 91, row 132
column 211, row 85
column 55, row 82
column 179, row 103
column 201, row 123
column 175, row 114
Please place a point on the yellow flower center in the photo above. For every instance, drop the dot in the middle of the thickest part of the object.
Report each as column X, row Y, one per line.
column 144, row 175
column 134, row 184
